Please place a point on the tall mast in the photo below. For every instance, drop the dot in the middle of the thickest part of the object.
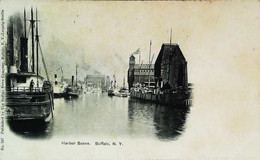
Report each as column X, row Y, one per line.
column 32, row 24
column 150, row 61
column 24, row 13
column 170, row 58
column 139, row 57
column 37, row 46
column 114, row 76
column 76, row 74
column 150, row 52
column 105, row 85
column 24, row 48
column 140, row 72
column 149, row 71
column 124, row 81
column 62, row 74
column 171, row 37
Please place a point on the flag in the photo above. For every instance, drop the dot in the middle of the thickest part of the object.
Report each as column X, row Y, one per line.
column 136, row 52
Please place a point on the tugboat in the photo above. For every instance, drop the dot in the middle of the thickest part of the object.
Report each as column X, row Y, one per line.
column 60, row 87
column 28, row 95
column 73, row 91
column 110, row 92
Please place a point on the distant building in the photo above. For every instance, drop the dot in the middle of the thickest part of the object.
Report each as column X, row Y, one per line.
column 99, row 80
column 139, row 73
column 171, row 67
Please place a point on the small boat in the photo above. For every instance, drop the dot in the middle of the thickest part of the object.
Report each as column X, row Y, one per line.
column 73, row 90
column 111, row 90
column 118, row 94
column 123, row 92
column 59, row 87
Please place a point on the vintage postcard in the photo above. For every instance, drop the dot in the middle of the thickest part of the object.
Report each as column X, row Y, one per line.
column 132, row 80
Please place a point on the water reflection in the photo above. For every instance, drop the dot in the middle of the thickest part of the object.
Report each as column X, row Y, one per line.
column 168, row 121
column 31, row 129
column 99, row 115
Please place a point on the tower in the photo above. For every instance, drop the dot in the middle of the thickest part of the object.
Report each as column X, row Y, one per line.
column 131, row 62
column 130, row 77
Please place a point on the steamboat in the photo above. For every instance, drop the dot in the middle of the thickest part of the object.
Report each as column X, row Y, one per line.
column 59, row 87
column 28, row 95
column 73, row 90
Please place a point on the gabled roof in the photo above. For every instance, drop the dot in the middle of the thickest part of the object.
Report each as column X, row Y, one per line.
column 167, row 49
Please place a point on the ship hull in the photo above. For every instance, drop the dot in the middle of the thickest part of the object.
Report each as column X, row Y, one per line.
column 58, row 95
column 72, row 93
column 144, row 96
column 59, row 90
column 165, row 98
column 29, row 106
column 110, row 92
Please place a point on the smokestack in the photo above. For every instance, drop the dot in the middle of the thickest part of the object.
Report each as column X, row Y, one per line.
column 56, row 81
column 24, row 54
column 24, row 49
column 10, row 43
column 72, row 80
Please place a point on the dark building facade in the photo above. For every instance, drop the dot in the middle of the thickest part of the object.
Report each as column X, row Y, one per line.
column 171, row 67
column 101, row 81
column 140, row 73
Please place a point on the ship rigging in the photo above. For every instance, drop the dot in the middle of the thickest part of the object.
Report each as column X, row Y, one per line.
column 24, row 100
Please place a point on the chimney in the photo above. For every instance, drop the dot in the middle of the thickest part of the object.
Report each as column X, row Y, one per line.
column 72, row 80
column 24, row 54
column 56, row 81
column 10, row 44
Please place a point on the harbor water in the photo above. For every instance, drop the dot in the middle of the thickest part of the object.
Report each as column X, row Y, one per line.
column 98, row 114
column 87, row 127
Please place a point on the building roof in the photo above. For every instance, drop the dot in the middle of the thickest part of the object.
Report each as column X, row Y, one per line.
column 167, row 49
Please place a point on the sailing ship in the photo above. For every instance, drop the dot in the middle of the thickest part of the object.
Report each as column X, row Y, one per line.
column 74, row 90
column 28, row 95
